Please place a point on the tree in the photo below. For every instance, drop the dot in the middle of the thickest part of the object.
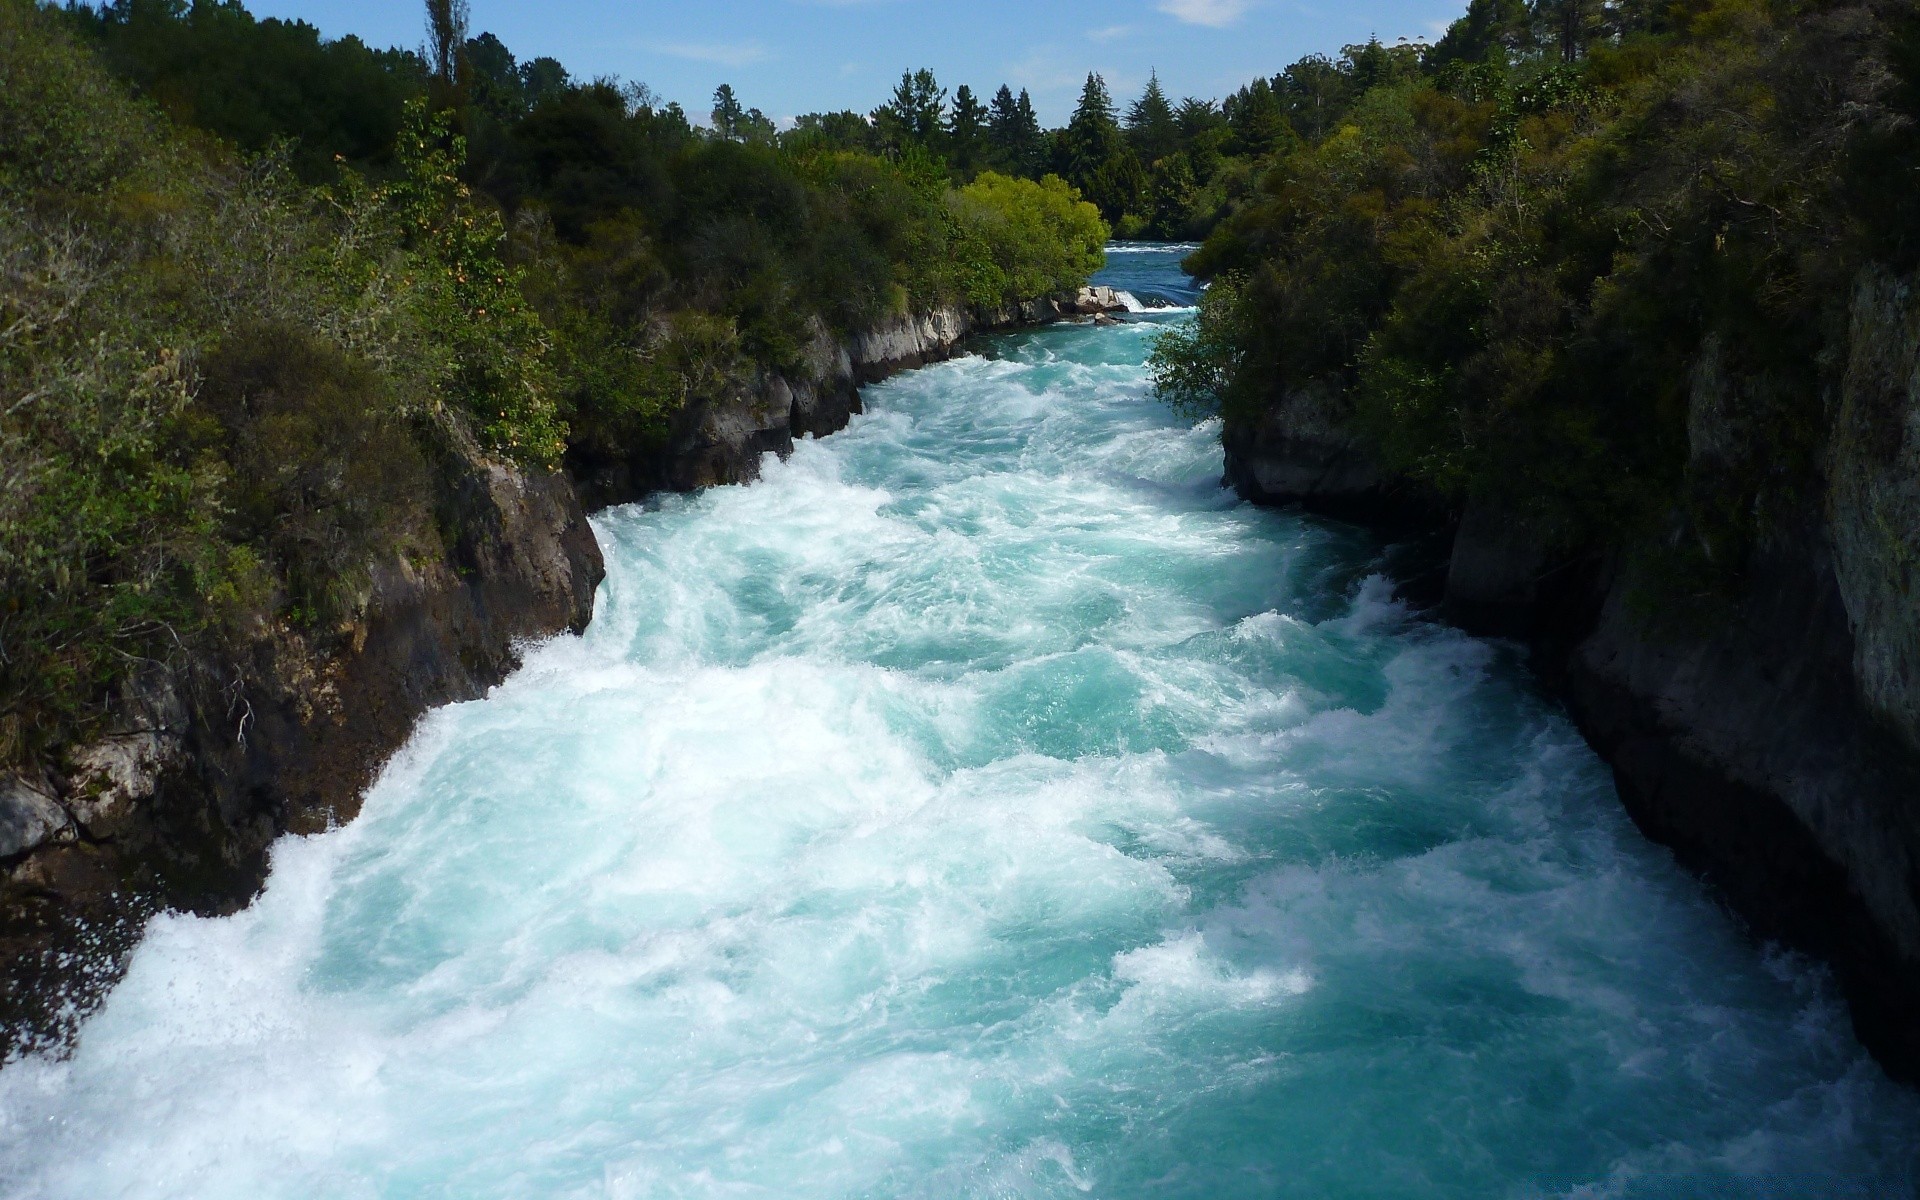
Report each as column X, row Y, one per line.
column 1492, row 30
column 845, row 130
column 1151, row 126
column 496, row 85
column 729, row 118
column 446, row 40
column 1094, row 155
column 966, row 130
column 1315, row 93
column 543, row 77
column 1014, row 134
column 914, row 115
column 1259, row 126
column 1170, row 198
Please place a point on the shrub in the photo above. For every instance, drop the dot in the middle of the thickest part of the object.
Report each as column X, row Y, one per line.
column 1040, row 238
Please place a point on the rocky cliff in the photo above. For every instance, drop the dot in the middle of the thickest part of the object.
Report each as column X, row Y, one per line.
column 1770, row 737
column 207, row 762
column 722, row 439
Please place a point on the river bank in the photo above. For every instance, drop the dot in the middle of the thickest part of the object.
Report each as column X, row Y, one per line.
column 985, row 801
column 203, row 768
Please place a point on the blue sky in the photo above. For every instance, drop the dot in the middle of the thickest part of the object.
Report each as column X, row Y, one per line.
column 791, row 56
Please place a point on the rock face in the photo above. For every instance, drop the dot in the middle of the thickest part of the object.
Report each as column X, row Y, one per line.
column 723, row 440
column 1745, row 745
column 1774, row 743
column 206, row 765
column 1874, row 504
column 1299, row 451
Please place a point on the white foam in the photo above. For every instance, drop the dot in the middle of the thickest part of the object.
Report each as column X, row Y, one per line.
column 976, row 806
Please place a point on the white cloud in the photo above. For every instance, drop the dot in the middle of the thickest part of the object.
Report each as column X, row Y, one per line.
column 1109, row 33
column 1217, row 14
column 725, row 54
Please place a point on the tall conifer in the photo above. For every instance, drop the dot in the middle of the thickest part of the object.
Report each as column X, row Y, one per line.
column 1150, row 123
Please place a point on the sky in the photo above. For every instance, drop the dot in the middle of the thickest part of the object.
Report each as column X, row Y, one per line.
column 787, row 57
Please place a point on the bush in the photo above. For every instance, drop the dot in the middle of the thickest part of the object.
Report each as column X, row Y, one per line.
column 1039, row 238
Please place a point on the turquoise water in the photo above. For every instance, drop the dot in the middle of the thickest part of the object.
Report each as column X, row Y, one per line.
column 986, row 804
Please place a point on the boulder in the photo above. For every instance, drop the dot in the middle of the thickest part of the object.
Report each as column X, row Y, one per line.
column 29, row 818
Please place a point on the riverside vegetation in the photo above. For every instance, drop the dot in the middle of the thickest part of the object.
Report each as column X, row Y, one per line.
column 237, row 342
column 1630, row 280
column 299, row 342
column 1505, row 265
column 1621, row 295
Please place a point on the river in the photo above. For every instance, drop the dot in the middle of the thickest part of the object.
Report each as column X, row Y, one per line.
column 984, row 804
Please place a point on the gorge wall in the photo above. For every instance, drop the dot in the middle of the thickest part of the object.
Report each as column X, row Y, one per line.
column 1771, row 738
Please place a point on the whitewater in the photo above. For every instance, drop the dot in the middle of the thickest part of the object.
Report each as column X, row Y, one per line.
column 984, row 804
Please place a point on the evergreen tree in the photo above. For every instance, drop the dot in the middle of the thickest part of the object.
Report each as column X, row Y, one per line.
column 914, row 115
column 1151, row 126
column 1203, row 131
column 966, row 130
column 1014, row 134
column 1258, row 123
column 1315, row 93
column 1092, row 137
column 1033, row 139
column 1093, row 154
column 1492, row 31
column 495, row 82
column 729, row 118
column 543, row 77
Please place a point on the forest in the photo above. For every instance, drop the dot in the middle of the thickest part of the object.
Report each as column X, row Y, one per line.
column 1589, row 264
column 263, row 288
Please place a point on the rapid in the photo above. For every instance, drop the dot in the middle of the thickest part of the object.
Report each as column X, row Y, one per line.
column 984, row 804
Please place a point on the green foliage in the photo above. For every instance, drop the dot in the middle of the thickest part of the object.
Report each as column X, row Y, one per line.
column 1587, row 261
column 1196, row 365
column 1039, row 238
column 488, row 345
column 210, row 64
column 324, row 473
column 219, row 392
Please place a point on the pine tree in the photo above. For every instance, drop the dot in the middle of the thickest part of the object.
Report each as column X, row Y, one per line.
column 728, row 115
column 1013, row 133
column 1258, row 122
column 1150, row 123
column 1094, row 156
column 966, row 130
column 1032, row 139
column 1093, row 135
column 914, row 115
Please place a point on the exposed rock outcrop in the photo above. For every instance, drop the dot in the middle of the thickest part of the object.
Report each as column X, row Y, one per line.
column 723, row 439
column 1742, row 742
column 1874, row 502
column 1300, row 451
column 209, row 761
column 1774, row 741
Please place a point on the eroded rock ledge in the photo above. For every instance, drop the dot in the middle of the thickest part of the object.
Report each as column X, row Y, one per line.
column 1774, row 742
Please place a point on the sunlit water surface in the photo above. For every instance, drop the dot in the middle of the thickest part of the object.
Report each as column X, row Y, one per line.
column 984, row 804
